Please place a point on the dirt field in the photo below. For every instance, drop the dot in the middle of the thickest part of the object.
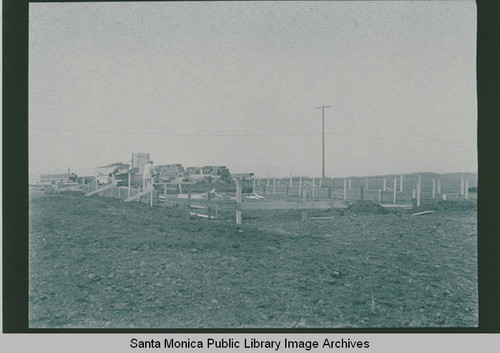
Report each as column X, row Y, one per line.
column 99, row 262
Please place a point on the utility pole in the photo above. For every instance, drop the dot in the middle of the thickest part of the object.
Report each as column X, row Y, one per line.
column 323, row 137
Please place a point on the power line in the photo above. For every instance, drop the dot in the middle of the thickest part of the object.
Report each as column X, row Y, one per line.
column 382, row 138
column 163, row 101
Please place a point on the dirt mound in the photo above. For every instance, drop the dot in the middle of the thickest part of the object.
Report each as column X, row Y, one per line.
column 366, row 206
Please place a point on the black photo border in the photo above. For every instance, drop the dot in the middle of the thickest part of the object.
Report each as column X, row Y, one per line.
column 15, row 182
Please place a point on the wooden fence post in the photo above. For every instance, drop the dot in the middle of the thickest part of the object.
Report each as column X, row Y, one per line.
column 253, row 189
column 209, row 197
column 313, row 188
column 304, row 211
column 349, row 183
column 291, row 183
column 394, row 188
column 267, row 178
column 128, row 185
column 433, row 188
column 401, row 183
column 379, row 195
column 151, row 196
column 238, row 202
column 300, row 186
column 419, row 190
column 439, row 186
column 385, row 185
column 274, row 186
column 466, row 191
column 462, row 184
column 345, row 189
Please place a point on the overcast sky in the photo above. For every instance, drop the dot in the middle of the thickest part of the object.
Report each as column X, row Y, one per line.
column 236, row 84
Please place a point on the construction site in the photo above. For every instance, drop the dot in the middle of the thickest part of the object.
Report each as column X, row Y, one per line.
column 207, row 248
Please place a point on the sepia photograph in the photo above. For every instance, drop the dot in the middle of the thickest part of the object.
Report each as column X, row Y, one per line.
column 292, row 165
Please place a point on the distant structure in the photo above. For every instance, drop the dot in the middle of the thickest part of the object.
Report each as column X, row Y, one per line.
column 242, row 176
column 48, row 178
column 209, row 171
column 170, row 170
column 139, row 160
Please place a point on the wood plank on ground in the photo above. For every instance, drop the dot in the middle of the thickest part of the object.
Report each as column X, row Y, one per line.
column 136, row 196
column 99, row 190
column 285, row 205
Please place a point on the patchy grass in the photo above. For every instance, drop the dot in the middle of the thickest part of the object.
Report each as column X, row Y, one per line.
column 99, row 262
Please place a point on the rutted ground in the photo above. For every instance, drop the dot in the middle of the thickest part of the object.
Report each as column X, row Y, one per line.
column 99, row 262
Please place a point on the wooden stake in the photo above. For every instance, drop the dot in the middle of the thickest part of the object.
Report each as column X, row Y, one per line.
column 401, row 183
column 385, row 185
column 313, row 189
column 151, row 198
column 253, row 189
column 394, row 188
column 466, row 191
column 304, row 212
column 274, row 186
column 380, row 195
column 238, row 202
column 439, row 186
column 419, row 189
column 300, row 186
column 433, row 188
column 128, row 185
column 209, row 209
column 345, row 189
column 462, row 184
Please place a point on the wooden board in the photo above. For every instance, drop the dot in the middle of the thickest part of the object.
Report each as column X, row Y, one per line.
column 284, row 205
column 99, row 190
column 136, row 196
